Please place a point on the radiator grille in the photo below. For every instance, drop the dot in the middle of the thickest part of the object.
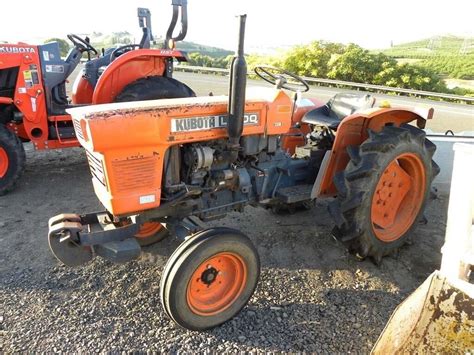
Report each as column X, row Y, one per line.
column 97, row 167
column 136, row 173
column 78, row 129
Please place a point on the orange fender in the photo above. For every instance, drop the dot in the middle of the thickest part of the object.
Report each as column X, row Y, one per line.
column 353, row 131
column 82, row 90
column 129, row 67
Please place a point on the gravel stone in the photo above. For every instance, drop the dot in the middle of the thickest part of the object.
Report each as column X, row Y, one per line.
column 312, row 296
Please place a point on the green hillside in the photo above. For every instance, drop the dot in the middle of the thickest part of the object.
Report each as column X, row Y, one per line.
column 433, row 47
column 449, row 56
column 192, row 47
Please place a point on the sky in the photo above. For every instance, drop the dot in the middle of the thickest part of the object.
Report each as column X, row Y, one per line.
column 278, row 23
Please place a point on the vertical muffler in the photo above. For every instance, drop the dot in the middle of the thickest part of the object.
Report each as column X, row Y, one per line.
column 237, row 84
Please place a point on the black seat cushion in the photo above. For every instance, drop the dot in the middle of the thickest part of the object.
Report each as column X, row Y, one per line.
column 339, row 107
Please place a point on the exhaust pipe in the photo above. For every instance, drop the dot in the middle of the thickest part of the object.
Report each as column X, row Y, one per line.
column 237, row 84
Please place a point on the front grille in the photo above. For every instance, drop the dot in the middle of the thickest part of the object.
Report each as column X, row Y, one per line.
column 134, row 174
column 78, row 129
column 97, row 167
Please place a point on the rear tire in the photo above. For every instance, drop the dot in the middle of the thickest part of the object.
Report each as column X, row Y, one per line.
column 383, row 191
column 209, row 278
column 153, row 88
column 12, row 160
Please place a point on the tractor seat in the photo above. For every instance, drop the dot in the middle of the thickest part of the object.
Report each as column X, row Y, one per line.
column 337, row 108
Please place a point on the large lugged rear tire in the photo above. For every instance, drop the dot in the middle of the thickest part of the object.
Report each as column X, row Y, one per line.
column 12, row 160
column 383, row 191
column 153, row 88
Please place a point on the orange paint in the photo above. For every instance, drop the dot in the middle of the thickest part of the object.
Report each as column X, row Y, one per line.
column 82, row 91
column 216, row 284
column 148, row 229
column 129, row 142
column 3, row 162
column 353, row 131
column 126, row 69
column 30, row 98
column 398, row 197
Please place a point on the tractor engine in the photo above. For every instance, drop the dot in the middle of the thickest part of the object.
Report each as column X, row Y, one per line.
column 261, row 175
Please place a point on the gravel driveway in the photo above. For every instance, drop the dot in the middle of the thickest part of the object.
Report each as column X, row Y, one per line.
column 312, row 296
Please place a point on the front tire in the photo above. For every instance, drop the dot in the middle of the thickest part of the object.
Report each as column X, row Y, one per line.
column 12, row 160
column 209, row 278
column 383, row 191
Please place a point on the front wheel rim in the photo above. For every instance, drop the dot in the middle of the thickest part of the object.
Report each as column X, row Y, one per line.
column 148, row 229
column 3, row 162
column 398, row 197
column 216, row 284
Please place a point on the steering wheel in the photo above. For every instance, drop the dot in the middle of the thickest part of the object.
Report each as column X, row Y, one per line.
column 81, row 44
column 281, row 78
column 121, row 50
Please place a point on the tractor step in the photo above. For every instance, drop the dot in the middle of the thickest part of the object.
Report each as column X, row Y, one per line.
column 295, row 194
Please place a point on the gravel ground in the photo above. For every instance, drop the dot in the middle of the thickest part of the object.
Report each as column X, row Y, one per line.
column 312, row 296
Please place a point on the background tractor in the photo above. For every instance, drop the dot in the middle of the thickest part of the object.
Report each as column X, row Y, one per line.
column 33, row 100
column 186, row 161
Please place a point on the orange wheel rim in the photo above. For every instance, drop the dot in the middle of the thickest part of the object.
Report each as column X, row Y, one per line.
column 148, row 229
column 3, row 162
column 398, row 197
column 216, row 284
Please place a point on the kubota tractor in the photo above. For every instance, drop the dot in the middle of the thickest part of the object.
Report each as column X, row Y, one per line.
column 33, row 100
column 182, row 162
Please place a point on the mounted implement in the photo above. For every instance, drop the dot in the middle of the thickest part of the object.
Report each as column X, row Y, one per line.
column 190, row 160
column 33, row 100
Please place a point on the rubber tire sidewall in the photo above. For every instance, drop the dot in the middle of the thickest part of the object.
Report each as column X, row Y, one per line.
column 180, row 274
column 365, row 209
column 154, row 88
column 16, row 159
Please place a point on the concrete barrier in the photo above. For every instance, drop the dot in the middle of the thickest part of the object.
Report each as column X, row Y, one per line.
column 444, row 156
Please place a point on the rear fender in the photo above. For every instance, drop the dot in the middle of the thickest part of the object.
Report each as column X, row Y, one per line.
column 353, row 130
column 129, row 67
column 82, row 90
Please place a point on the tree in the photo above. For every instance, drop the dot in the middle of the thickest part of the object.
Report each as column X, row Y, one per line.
column 63, row 45
column 310, row 60
column 358, row 65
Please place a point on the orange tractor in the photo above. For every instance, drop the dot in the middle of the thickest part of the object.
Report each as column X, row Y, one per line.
column 178, row 163
column 33, row 100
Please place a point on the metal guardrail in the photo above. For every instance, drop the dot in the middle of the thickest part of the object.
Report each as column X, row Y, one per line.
column 190, row 68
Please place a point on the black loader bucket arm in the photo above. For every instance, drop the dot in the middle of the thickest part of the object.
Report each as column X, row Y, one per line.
column 177, row 6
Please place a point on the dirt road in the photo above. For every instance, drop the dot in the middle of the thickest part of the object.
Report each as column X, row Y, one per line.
column 312, row 296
